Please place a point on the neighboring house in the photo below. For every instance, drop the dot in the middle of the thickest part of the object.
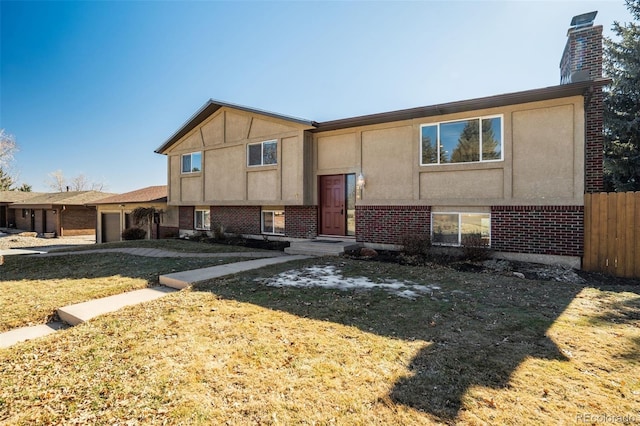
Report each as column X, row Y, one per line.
column 511, row 169
column 114, row 214
column 7, row 215
column 60, row 213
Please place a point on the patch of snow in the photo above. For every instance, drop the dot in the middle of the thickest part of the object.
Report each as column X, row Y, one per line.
column 330, row 277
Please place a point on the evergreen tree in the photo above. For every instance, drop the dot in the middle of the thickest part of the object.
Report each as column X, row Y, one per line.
column 468, row 148
column 429, row 153
column 622, row 105
column 490, row 146
column 25, row 187
column 6, row 181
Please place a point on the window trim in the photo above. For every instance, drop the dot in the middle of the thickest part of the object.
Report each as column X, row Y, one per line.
column 479, row 118
column 190, row 154
column 262, row 164
column 459, row 213
column 195, row 219
column 272, row 211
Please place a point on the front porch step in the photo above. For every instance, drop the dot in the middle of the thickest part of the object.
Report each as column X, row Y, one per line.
column 321, row 247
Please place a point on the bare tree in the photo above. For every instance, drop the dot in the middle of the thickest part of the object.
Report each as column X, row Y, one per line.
column 8, row 147
column 57, row 182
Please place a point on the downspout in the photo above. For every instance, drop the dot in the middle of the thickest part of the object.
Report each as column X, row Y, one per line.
column 60, row 219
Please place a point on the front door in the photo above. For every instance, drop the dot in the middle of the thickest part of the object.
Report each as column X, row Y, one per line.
column 332, row 205
column 332, row 208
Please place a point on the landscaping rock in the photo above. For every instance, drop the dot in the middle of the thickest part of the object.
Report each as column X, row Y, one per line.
column 368, row 252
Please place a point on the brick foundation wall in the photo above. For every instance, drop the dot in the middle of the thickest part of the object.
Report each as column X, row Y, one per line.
column 553, row 230
column 301, row 221
column 237, row 219
column 78, row 221
column 186, row 217
column 390, row 224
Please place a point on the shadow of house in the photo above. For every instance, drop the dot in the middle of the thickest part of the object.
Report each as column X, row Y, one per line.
column 60, row 213
column 477, row 336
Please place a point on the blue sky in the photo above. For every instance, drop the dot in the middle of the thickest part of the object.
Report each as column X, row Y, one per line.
column 93, row 87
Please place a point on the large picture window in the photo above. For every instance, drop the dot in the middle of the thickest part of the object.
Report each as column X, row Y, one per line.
column 454, row 228
column 263, row 153
column 464, row 141
column 202, row 220
column 273, row 222
column 192, row 163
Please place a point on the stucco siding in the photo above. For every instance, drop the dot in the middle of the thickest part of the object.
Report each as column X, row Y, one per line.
column 387, row 158
column 336, row 152
column 223, row 182
column 263, row 185
column 544, row 158
column 293, row 173
column 456, row 185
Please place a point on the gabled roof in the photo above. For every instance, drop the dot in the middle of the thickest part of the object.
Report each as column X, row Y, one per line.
column 69, row 198
column 144, row 195
column 15, row 196
column 212, row 106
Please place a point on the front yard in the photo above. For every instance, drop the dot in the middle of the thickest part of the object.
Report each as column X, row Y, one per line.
column 339, row 341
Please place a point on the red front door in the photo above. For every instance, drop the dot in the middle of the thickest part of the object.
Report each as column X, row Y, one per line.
column 332, row 205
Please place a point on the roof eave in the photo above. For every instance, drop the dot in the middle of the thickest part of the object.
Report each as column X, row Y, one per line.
column 552, row 92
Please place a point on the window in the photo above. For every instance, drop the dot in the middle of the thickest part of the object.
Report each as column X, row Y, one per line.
column 192, row 163
column 465, row 141
column 263, row 153
column 452, row 228
column 273, row 222
column 202, row 220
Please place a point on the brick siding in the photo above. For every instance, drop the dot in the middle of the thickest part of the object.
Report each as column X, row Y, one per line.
column 594, row 143
column 186, row 217
column 390, row 224
column 301, row 221
column 167, row 231
column 236, row 219
column 553, row 230
column 78, row 221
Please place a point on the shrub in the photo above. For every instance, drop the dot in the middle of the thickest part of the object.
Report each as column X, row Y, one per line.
column 416, row 244
column 218, row 232
column 134, row 234
column 475, row 248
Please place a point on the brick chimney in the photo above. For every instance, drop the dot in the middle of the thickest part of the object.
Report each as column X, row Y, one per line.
column 582, row 56
column 582, row 61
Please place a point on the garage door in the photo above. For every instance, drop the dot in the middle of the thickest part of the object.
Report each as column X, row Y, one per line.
column 110, row 227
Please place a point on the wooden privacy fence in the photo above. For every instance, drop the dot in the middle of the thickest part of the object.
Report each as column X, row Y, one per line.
column 612, row 233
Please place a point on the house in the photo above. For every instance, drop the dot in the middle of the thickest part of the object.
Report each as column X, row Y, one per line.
column 511, row 169
column 114, row 214
column 7, row 215
column 60, row 213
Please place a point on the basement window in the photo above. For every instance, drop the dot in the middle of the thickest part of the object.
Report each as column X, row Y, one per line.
column 457, row 229
column 202, row 220
column 272, row 222
column 263, row 153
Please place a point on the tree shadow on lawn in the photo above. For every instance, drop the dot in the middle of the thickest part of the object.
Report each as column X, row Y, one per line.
column 480, row 326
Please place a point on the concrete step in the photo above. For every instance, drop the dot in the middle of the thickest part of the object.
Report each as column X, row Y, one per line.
column 321, row 247
column 81, row 312
column 180, row 280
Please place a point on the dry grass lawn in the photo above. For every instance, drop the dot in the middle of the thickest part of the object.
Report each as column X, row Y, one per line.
column 481, row 349
column 31, row 289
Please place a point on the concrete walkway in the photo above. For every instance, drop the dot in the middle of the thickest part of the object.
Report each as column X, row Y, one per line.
column 151, row 252
column 81, row 312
